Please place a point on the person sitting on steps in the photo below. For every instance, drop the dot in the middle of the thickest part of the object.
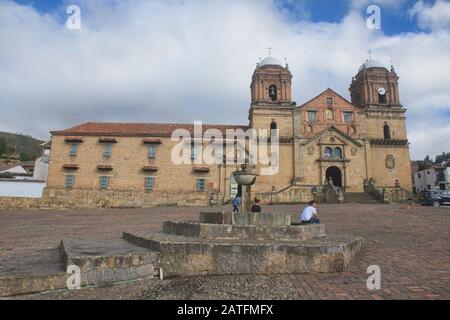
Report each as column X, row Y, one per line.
column 256, row 207
column 309, row 214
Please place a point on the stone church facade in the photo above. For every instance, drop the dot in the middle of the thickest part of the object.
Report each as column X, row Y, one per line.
column 349, row 145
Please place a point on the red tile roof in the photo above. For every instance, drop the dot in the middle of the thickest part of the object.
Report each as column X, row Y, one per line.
column 136, row 129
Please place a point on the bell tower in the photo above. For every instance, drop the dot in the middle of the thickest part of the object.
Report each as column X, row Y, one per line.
column 271, row 83
column 374, row 90
column 375, row 86
column 271, row 99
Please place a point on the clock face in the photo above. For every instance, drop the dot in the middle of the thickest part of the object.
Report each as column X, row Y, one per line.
column 382, row 91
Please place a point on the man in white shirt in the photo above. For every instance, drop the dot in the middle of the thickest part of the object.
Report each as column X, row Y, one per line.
column 309, row 214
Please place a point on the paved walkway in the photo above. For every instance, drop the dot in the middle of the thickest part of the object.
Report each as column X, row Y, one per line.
column 410, row 245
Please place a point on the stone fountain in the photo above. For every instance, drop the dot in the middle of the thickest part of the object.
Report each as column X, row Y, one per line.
column 245, row 178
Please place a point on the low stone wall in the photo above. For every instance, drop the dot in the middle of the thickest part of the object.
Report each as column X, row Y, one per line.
column 397, row 194
column 182, row 256
column 92, row 199
column 20, row 203
column 101, row 262
column 246, row 218
column 291, row 194
column 224, row 231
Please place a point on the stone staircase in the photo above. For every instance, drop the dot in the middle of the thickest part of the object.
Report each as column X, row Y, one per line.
column 360, row 197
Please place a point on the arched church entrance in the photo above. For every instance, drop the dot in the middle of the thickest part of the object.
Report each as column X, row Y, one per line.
column 335, row 174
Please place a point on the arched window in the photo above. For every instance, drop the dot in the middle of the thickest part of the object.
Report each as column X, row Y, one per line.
column 330, row 114
column 273, row 93
column 273, row 126
column 327, row 152
column 337, row 153
column 387, row 132
column 381, row 98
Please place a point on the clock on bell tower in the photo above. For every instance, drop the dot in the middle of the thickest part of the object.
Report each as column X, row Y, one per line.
column 375, row 86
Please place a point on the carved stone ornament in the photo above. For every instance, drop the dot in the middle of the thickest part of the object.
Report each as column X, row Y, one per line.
column 390, row 161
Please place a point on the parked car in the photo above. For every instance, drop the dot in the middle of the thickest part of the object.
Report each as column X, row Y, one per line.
column 435, row 198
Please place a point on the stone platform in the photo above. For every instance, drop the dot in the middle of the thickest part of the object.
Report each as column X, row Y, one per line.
column 245, row 243
column 188, row 256
column 219, row 243
column 100, row 262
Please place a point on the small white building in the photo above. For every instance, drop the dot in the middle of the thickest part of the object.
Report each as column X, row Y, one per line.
column 434, row 178
column 21, row 188
column 25, row 180
column 443, row 176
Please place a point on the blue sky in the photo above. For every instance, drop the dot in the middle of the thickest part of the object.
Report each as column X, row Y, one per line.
column 186, row 60
column 395, row 19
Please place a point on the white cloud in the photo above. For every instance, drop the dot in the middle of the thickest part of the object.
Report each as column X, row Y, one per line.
column 436, row 16
column 192, row 60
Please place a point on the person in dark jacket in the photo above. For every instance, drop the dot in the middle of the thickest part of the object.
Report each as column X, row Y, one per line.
column 256, row 207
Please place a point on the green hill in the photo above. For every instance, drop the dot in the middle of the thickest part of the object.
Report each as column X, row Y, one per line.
column 19, row 147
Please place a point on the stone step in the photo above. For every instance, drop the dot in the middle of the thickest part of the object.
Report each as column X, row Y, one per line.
column 188, row 256
column 107, row 261
column 225, row 231
column 100, row 262
column 360, row 197
column 246, row 218
column 31, row 270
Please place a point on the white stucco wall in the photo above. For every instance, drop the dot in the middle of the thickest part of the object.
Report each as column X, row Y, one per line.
column 40, row 169
column 21, row 189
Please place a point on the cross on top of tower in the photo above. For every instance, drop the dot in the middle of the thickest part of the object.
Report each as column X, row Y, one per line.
column 270, row 51
column 370, row 54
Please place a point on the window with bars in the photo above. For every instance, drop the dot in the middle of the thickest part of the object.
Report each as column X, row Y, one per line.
column 348, row 117
column 152, row 152
column 70, row 181
column 104, row 182
column 107, row 150
column 201, row 183
column 73, row 149
column 312, row 116
column 149, row 183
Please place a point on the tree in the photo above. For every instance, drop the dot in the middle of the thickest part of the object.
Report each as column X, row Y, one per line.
column 3, row 146
column 25, row 157
column 443, row 157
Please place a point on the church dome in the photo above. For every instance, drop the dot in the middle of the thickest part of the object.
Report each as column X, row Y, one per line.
column 270, row 61
column 372, row 64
